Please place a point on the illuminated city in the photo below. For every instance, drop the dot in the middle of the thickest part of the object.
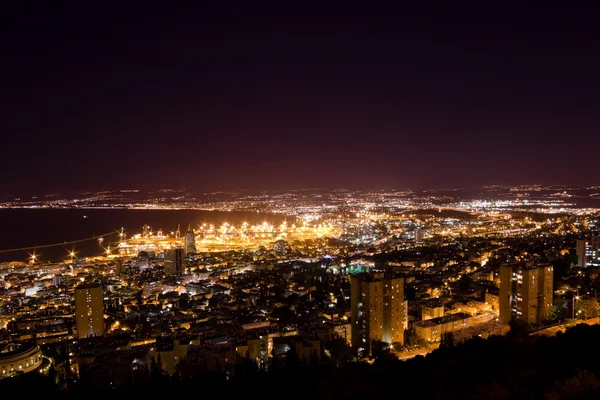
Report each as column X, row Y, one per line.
column 304, row 200
column 448, row 252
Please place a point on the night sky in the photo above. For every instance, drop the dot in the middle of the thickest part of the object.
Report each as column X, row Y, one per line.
column 267, row 95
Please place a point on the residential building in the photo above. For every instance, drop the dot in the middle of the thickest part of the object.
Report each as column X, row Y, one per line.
column 174, row 259
column 493, row 299
column 430, row 311
column 378, row 310
column 588, row 252
column 418, row 235
column 432, row 330
column 89, row 310
column 526, row 292
column 190, row 241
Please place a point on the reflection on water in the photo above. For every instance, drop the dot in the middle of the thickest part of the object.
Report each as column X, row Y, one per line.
column 36, row 227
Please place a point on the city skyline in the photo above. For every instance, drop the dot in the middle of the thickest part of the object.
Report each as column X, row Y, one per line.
column 269, row 96
column 336, row 200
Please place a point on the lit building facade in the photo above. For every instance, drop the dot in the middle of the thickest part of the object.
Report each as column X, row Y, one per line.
column 18, row 358
column 588, row 252
column 174, row 260
column 418, row 235
column 378, row 310
column 431, row 312
column 280, row 247
column 190, row 241
column 526, row 292
column 432, row 329
column 492, row 299
column 89, row 310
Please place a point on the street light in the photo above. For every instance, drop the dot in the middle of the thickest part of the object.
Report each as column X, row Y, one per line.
column 573, row 308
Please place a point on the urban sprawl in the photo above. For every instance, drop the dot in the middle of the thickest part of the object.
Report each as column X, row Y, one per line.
column 346, row 274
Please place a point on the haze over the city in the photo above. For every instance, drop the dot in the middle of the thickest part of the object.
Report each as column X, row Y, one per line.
column 283, row 95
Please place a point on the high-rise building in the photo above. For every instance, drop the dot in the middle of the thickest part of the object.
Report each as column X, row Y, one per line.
column 280, row 247
column 378, row 310
column 89, row 310
column 588, row 252
column 174, row 261
column 581, row 249
column 190, row 241
column 418, row 235
column 526, row 292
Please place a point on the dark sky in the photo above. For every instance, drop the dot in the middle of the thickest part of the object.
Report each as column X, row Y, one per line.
column 292, row 94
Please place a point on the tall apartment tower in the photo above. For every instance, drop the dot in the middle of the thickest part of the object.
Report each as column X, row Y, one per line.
column 526, row 292
column 588, row 252
column 89, row 310
column 594, row 250
column 418, row 235
column 378, row 310
column 190, row 241
column 581, row 250
column 174, row 259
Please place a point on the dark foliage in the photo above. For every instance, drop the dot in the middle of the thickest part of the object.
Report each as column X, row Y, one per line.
column 517, row 366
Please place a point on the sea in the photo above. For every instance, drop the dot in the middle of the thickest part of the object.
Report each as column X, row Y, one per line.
column 47, row 233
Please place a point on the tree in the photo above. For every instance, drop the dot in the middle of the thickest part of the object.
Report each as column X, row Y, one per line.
column 274, row 364
column 185, row 302
column 465, row 283
column 68, row 372
column 492, row 392
column 246, row 367
column 587, row 307
column 340, row 301
column 339, row 350
column 447, row 340
column 157, row 374
column 153, row 366
column 583, row 385
column 292, row 358
column 52, row 374
column 519, row 328
column 159, row 363
column 411, row 337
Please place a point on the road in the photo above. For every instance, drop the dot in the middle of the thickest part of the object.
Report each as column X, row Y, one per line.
column 553, row 330
column 407, row 355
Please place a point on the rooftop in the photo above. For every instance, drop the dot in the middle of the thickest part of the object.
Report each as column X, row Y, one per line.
column 88, row 285
column 12, row 349
column 443, row 320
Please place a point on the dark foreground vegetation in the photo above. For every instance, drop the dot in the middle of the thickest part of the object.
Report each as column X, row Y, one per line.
column 516, row 366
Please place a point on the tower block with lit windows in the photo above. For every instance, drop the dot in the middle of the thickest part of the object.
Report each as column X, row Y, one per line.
column 174, row 261
column 190, row 241
column 378, row 310
column 588, row 251
column 526, row 292
column 89, row 310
